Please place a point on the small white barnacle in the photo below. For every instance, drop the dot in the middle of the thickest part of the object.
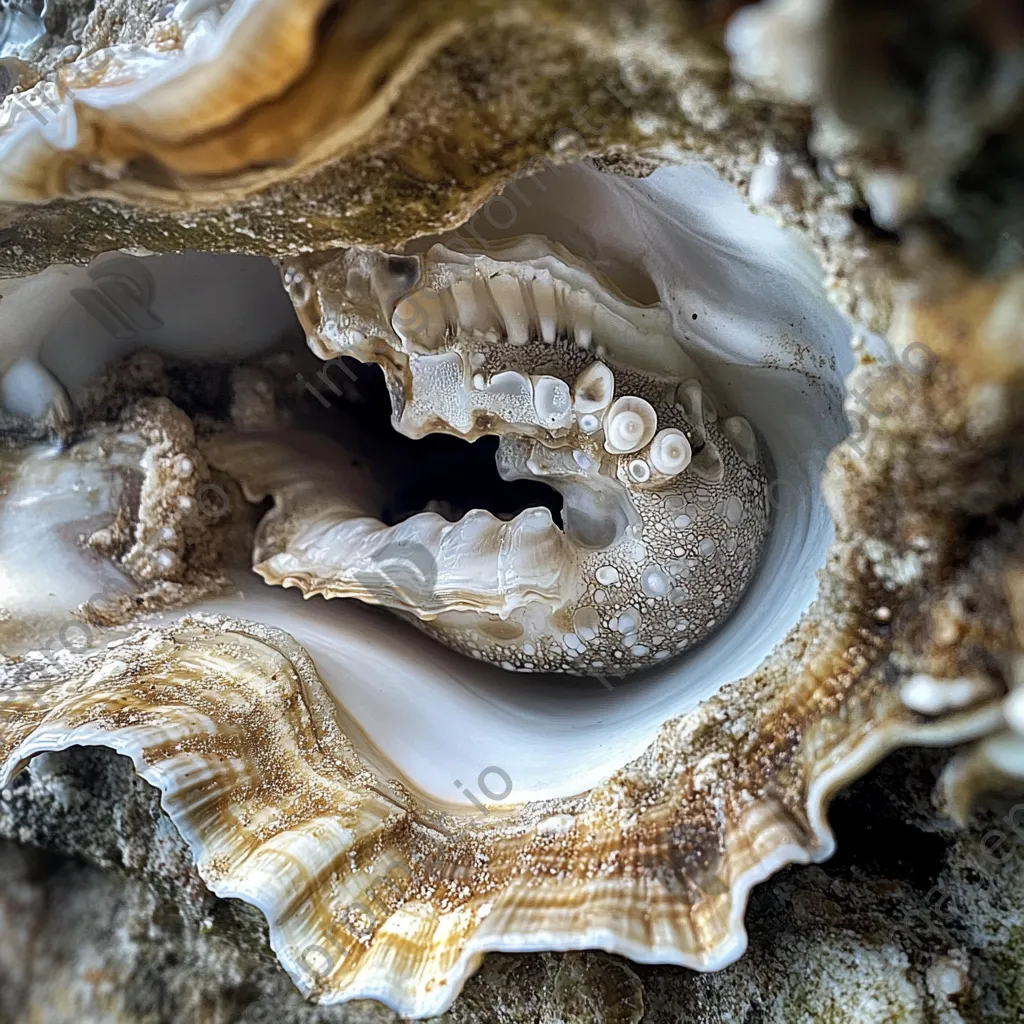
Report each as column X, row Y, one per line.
column 629, row 425
column 552, row 401
column 593, row 389
column 639, row 470
column 670, row 451
column 741, row 434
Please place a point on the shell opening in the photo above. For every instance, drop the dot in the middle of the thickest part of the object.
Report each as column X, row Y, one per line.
column 656, row 238
column 441, row 473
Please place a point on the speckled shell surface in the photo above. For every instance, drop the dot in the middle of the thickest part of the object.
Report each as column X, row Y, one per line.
column 653, row 556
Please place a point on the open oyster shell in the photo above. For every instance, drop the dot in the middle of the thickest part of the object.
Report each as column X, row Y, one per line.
column 386, row 849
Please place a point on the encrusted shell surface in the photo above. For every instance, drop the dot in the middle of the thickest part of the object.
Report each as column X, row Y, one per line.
column 649, row 562
column 374, row 887
column 206, row 101
column 368, row 895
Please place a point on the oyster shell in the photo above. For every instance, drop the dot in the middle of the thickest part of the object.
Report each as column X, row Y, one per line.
column 451, row 849
column 634, row 817
column 204, row 101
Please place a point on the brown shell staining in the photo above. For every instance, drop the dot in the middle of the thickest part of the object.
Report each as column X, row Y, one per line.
column 647, row 343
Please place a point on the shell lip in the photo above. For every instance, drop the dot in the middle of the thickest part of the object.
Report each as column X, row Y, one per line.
column 411, row 999
column 223, row 103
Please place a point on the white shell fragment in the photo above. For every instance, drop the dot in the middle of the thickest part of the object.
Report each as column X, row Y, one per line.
column 929, row 696
column 553, row 402
column 741, row 434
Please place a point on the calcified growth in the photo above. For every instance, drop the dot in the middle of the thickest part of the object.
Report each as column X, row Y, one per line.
column 665, row 502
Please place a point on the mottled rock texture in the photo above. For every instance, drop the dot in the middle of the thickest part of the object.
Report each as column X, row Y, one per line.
column 103, row 919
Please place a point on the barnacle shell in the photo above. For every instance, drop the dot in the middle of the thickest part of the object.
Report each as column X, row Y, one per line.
column 997, row 761
column 593, row 388
column 670, row 451
column 629, row 425
column 647, row 565
column 640, row 817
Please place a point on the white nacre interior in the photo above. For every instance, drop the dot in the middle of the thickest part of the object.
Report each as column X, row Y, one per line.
column 747, row 301
column 22, row 28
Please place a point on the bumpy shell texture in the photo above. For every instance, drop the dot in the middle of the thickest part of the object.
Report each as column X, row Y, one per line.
column 658, row 547
column 375, row 880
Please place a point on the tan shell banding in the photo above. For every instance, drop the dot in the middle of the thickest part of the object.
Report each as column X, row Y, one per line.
column 657, row 861
column 264, row 780
column 215, row 104
column 369, row 896
column 508, row 84
column 371, row 893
